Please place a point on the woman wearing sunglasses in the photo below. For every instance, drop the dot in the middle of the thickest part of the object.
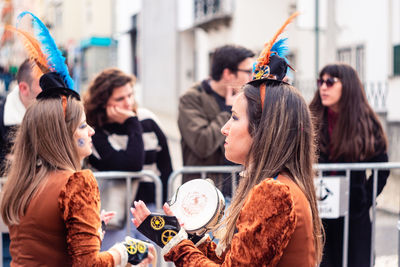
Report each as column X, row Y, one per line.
column 348, row 131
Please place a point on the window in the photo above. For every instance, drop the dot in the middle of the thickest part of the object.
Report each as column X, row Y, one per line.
column 344, row 55
column 396, row 60
column 360, row 61
column 355, row 57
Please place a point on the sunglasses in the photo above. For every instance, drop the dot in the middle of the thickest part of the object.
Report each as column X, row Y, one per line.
column 329, row 82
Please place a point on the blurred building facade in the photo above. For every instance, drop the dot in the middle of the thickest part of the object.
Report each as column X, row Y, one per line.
column 167, row 44
column 174, row 39
column 84, row 29
column 11, row 50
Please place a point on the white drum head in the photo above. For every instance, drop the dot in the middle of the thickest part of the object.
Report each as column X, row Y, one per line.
column 195, row 204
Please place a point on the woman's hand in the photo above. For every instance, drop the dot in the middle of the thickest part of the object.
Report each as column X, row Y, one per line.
column 119, row 249
column 151, row 257
column 139, row 212
column 119, row 115
column 168, row 211
column 105, row 216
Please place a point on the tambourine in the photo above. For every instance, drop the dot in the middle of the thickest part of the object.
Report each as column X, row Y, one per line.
column 199, row 205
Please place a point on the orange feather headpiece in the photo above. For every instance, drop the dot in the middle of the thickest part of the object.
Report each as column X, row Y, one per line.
column 272, row 64
column 32, row 46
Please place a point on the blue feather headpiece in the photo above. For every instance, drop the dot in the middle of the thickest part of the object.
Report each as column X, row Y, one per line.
column 54, row 60
column 272, row 62
column 280, row 48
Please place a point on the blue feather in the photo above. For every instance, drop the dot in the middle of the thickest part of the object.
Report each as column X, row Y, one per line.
column 280, row 47
column 49, row 47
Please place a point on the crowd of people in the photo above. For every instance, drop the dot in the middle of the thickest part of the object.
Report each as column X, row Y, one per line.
column 245, row 113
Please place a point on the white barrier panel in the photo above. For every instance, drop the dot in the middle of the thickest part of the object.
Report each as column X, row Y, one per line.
column 332, row 196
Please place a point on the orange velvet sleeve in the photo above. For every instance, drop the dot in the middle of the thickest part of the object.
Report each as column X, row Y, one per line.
column 79, row 202
column 264, row 228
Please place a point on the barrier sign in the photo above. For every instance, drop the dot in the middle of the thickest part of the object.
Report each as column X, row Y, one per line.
column 332, row 196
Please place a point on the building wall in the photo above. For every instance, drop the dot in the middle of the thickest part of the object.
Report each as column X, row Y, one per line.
column 159, row 53
column 125, row 9
column 98, row 16
column 186, row 61
column 13, row 54
column 167, row 35
column 370, row 28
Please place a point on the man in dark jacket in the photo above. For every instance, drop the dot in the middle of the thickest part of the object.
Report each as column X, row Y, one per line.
column 13, row 107
column 206, row 107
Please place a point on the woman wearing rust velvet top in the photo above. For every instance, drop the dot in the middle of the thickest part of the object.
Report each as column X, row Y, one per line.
column 50, row 205
column 273, row 218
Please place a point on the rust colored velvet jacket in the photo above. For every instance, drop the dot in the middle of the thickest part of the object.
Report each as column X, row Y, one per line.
column 60, row 227
column 274, row 229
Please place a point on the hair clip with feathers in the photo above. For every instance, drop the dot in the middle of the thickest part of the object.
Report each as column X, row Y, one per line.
column 271, row 66
column 55, row 59
column 49, row 64
column 272, row 61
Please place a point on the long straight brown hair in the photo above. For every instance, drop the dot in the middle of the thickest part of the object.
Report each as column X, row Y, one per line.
column 358, row 135
column 44, row 143
column 283, row 141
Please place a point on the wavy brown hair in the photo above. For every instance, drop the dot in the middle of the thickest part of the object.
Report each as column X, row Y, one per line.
column 358, row 134
column 283, row 141
column 44, row 143
column 100, row 90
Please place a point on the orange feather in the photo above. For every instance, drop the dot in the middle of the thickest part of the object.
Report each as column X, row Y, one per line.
column 266, row 53
column 33, row 49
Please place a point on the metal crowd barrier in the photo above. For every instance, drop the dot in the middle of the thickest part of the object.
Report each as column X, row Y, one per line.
column 203, row 170
column 110, row 175
column 320, row 168
column 151, row 177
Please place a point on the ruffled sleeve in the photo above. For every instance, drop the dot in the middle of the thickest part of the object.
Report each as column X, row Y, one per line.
column 79, row 202
column 265, row 226
column 208, row 248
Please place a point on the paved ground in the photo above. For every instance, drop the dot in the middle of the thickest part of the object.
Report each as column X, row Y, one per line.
column 387, row 237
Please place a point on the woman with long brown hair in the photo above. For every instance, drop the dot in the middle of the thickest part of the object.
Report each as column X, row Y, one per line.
column 273, row 219
column 50, row 205
column 348, row 131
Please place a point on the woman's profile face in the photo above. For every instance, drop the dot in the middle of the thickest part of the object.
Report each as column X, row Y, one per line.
column 238, row 140
column 122, row 97
column 330, row 91
column 83, row 138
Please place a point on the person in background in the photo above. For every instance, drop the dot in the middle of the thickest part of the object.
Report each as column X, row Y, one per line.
column 13, row 107
column 6, row 77
column 12, row 110
column 348, row 131
column 127, row 138
column 207, row 105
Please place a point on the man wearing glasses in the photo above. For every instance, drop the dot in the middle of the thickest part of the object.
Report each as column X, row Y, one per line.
column 206, row 107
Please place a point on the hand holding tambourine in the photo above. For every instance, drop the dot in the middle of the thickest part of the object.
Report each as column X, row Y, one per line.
column 198, row 204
